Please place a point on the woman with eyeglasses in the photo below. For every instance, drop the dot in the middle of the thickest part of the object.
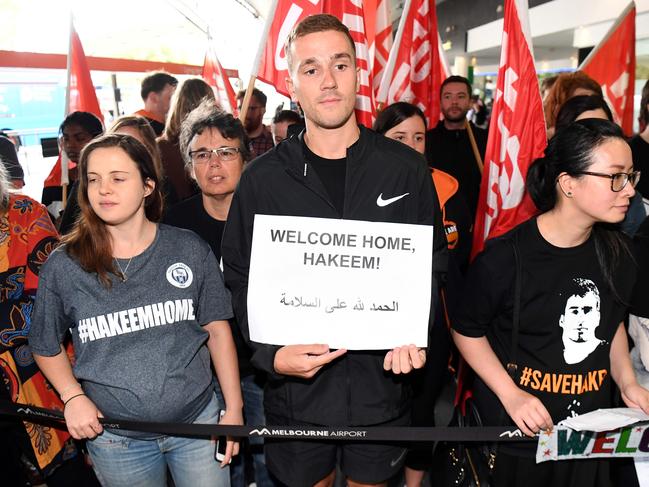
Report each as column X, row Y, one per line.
column 215, row 147
column 576, row 280
column 147, row 309
column 593, row 106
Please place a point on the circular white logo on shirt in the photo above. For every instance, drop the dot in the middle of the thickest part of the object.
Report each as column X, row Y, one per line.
column 180, row 275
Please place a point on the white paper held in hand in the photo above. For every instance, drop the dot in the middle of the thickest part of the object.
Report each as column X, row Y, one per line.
column 345, row 283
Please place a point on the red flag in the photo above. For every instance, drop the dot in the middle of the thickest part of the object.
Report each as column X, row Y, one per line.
column 445, row 69
column 612, row 65
column 272, row 67
column 215, row 76
column 414, row 69
column 379, row 38
column 81, row 96
column 516, row 134
column 350, row 12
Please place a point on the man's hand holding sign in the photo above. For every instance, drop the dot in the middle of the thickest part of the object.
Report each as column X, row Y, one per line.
column 304, row 361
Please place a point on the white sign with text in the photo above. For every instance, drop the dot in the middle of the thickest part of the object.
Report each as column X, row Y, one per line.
column 345, row 283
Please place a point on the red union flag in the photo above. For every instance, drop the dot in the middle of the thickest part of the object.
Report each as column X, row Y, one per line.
column 413, row 73
column 272, row 66
column 215, row 76
column 350, row 12
column 612, row 65
column 82, row 92
column 516, row 134
column 379, row 37
column 81, row 96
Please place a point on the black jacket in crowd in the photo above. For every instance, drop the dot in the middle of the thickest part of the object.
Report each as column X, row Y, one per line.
column 451, row 152
column 354, row 389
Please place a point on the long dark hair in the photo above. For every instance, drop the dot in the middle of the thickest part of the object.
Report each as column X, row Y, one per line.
column 86, row 120
column 571, row 151
column 90, row 242
column 394, row 114
column 577, row 105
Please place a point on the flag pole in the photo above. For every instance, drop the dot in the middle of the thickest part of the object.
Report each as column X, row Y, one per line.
column 615, row 25
column 255, row 67
column 65, row 180
column 382, row 95
column 474, row 146
column 442, row 56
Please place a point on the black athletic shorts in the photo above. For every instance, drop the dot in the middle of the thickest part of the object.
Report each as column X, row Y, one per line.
column 304, row 462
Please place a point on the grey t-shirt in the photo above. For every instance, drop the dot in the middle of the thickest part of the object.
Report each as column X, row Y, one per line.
column 139, row 345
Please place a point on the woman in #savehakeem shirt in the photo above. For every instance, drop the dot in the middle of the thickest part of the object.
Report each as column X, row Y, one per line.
column 577, row 276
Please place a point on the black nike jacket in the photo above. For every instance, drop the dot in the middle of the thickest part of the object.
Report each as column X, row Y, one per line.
column 354, row 389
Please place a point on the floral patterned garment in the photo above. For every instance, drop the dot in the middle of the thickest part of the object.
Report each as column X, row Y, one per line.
column 27, row 237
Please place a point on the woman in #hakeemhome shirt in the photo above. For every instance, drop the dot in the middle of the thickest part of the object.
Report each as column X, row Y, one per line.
column 147, row 309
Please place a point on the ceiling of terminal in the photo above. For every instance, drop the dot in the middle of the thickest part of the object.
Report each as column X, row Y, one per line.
column 175, row 30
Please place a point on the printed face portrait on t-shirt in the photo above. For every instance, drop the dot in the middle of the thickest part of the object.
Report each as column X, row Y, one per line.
column 579, row 320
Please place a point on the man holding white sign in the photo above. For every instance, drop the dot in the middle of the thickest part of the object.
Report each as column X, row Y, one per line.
column 334, row 170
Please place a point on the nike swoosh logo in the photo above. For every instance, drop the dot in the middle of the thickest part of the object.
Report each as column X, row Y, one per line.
column 393, row 463
column 381, row 202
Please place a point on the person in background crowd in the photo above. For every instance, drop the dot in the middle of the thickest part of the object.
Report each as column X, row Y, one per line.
column 9, row 158
column 565, row 87
column 215, row 147
column 640, row 143
column 27, row 237
column 149, row 365
column 478, row 112
column 448, row 147
column 546, row 86
column 281, row 122
column 157, row 89
column 76, row 131
column 639, row 318
column 261, row 139
column 580, row 107
column 577, row 277
column 189, row 95
column 337, row 169
column 592, row 106
column 6, row 132
column 140, row 128
column 406, row 123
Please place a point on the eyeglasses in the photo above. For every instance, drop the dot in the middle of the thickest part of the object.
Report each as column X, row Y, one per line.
column 224, row 154
column 619, row 180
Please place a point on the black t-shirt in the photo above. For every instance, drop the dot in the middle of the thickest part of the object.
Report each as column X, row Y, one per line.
column 640, row 150
column 450, row 151
column 157, row 127
column 568, row 319
column 191, row 214
column 332, row 175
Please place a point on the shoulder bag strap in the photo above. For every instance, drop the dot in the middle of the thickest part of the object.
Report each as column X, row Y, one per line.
column 512, row 365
